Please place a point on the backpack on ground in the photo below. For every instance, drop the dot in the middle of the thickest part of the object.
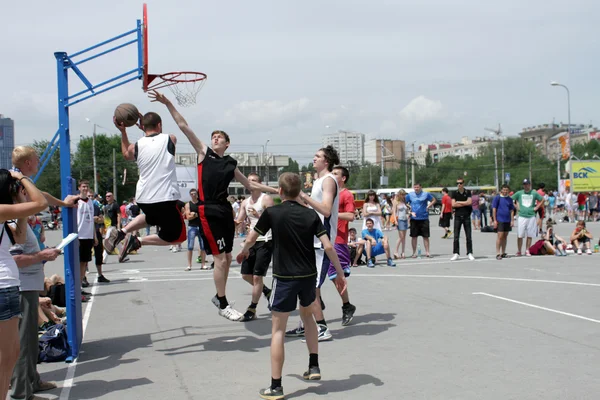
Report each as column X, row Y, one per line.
column 53, row 344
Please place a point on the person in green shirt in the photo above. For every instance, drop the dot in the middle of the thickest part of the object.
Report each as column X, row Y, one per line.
column 526, row 206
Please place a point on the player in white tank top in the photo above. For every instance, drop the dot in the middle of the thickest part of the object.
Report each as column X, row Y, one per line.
column 255, row 267
column 324, row 200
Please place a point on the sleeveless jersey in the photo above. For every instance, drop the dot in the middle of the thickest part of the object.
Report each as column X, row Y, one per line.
column 214, row 175
column 155, row 156
column 258, row 207
column 194, row 208
column 330, row 223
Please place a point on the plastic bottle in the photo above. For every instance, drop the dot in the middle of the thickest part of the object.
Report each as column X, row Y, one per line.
column 596, row 249
column 419, row 251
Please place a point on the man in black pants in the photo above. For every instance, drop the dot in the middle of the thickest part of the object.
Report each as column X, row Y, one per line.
column 294, row 274
column 461, row 202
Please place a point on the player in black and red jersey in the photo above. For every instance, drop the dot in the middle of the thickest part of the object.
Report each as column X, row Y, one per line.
column 215, row 172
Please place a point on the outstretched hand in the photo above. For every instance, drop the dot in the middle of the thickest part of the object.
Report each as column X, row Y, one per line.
column 120, row 126
column 158, row 97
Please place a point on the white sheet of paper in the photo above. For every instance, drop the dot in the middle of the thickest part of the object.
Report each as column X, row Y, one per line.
column 70, row 237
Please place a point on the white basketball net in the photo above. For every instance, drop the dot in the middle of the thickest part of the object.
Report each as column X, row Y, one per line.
column 186, row 92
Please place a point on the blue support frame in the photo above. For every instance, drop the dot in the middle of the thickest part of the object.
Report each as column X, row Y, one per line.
column 64, row 63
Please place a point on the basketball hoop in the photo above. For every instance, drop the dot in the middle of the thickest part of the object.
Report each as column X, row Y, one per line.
column 185, row 86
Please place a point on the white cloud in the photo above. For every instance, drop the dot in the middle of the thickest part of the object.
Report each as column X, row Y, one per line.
column 266, row 114
column 421, row 109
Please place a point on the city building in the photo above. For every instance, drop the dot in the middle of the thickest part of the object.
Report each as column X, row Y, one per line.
column 547, row 136
column 7, row 141
column 439, row 150
column 349, row 145
column 394, row 152
column 267, row 165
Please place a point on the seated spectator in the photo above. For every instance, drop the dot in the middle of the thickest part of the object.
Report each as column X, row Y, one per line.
column 581, row 237
column 558, row 244
column 375, row 244
column 356, row 246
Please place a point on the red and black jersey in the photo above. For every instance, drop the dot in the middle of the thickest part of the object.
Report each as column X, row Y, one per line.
column 214, row 175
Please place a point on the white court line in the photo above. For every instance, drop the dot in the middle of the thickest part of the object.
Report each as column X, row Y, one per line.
column 68, row 382
column 492, row 278
column 538, row 307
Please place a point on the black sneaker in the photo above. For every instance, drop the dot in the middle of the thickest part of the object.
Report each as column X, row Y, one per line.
column 115, row 237
column 85, row 283
column 296, row 332
column 271, row 394
column 249, row 315
column 348, row 314
column 86, row 293
column 102, row 279
column 130, row 244
column 313, row 374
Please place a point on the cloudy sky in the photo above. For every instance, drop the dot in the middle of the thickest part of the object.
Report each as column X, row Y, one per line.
column 284, row 70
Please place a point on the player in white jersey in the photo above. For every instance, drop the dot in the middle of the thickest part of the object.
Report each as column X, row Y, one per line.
column 324, row 199
column 156, row 191
column 255, row 267
column 85, row 229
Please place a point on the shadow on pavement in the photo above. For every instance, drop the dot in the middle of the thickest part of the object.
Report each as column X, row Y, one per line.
column 96, row 388
column 325, row 387
column 115, row 292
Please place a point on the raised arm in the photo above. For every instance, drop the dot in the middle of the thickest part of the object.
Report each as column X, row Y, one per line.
column 241, row 217
column 128, row 149
column 182, row 124
column 241, row 178
column 36, row 204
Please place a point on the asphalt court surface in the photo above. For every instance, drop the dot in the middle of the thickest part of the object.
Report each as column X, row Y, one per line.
column 522, row 328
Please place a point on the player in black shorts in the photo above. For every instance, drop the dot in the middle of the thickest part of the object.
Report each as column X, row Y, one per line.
column 215, row 172
column 294, row 274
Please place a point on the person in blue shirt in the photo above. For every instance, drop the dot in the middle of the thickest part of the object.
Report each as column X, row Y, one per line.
column 375, row 244
column 419, row 202
column 503, row 210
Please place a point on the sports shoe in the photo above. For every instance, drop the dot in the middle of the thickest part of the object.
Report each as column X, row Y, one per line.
column 518, row 254
column 579, row 252
column 83, row 293
column 348, row 314
column 114, row 238
column 85, row 283
column 271, row 394
column 102, row 279
column 324, row 334
column 449, row 234
column 188, row 268
column 370, row 264
column 131, row 243
column 199, row 260
column 588, row 252
column 313, row 374
column 230, row 313
column 445, row 235
column 249, row 315
column 471, row 257
column 390, row 263
column 296, row 332
column 44, row 386
column 527, row 253
column 454, row 257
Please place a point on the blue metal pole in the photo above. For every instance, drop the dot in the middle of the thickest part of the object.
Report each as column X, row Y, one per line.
column 71, row 257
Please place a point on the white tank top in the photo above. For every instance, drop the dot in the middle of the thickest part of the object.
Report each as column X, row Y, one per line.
column 330, row 222
column 9, row 272
column 376, row 218
column 258, row 207
column 155, row 155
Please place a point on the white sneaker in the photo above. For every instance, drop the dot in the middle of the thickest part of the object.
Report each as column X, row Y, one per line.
column 471, row 257
column 454, row 257
column 188, row 268
column 231, row 314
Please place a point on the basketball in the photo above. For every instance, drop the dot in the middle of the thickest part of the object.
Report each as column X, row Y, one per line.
column 127, row 114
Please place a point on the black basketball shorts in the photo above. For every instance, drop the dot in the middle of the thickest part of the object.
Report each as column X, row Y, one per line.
column 218, row 228
column 259, row 259
column 168, row 220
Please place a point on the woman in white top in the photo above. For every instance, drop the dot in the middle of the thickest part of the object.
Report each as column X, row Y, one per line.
column 13, row 205
column 401, row 213
column 371, row 209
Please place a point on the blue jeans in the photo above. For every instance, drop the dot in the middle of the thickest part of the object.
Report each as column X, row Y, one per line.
column 193, row 233
column 10, row 303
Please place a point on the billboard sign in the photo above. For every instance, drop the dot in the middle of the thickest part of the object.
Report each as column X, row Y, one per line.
column 585, row 176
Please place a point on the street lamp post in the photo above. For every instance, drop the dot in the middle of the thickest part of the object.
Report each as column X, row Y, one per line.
column 265, row 162
column 554, row 83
